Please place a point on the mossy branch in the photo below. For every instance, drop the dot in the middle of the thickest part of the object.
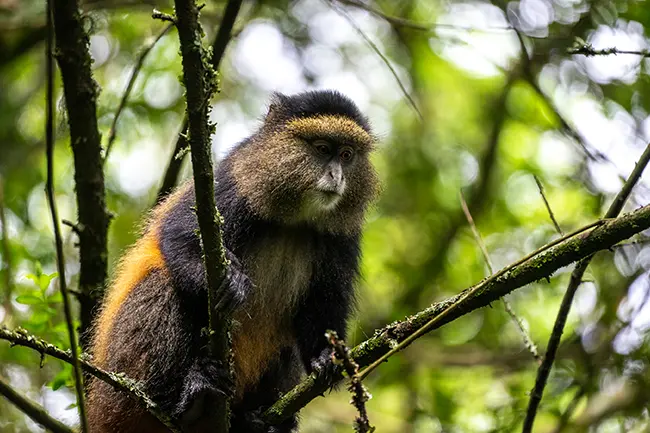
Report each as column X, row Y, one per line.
column 20, row 337
column 536, row 267
column 200, row 82
column 58, row 241
column 80, row 91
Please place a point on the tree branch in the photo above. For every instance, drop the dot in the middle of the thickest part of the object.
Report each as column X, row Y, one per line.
column 32, row 410
column 200, row 83
column 540, row 187
column 588, row 50
column 408, row 24
column 359, row 393
column 576, row 279
column 49, row 188
column 532, row 268
column 221, row 40
column 20, row 337
column 80, row 92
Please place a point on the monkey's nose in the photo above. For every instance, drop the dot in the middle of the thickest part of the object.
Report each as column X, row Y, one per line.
column 335, row 175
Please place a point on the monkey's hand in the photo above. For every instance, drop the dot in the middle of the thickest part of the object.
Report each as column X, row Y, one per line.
column 235, row 288
column 205, row 381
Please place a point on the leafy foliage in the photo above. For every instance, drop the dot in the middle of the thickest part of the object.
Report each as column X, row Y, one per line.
column 577, row 123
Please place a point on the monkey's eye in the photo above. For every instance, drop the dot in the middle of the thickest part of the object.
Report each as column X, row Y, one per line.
column 346, row 154
column 322, row 147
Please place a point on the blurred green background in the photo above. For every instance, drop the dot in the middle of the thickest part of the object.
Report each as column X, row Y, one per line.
column 492, row 116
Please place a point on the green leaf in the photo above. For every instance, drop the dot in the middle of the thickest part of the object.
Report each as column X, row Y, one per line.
column 45, row 280
column 29, row 299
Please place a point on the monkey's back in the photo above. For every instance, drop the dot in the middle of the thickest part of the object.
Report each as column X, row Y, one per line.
column 139, row 312
column 158, row 295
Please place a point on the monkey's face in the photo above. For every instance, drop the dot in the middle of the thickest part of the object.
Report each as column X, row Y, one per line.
column 333, row 161
column 313, row 170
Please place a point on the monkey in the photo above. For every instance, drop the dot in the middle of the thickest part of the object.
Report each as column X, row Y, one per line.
column 293, row 198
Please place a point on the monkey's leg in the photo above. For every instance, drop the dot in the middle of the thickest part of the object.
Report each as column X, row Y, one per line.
column 155, row 337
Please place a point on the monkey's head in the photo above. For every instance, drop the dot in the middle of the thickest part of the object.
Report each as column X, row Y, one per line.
column 309, row 163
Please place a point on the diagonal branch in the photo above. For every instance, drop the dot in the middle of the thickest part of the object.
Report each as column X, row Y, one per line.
column 540, row 187
column 588, row 50
column 381, row 55
column 32, row 410
column 533, row 267
column 129, row 87
column 576, row 278
column 20, row 337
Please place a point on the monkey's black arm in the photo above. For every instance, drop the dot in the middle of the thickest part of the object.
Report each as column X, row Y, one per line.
column 181, row 249
column 329, row 300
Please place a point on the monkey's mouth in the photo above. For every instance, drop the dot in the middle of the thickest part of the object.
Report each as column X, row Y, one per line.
column 326, row 198
column 330, row 193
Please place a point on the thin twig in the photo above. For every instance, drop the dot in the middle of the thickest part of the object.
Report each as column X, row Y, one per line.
column 528, row 340
column 133, row 388
column 221, row 40
column 540, row 187
column 592, row 153
column 74, row 227
column 540, row 264
column 576, row 278
column 476, row 233
column 6, row 255
column 49, row 187
column 405, row 23
column 129, row 87
column 381, row 55
column 359, row 393
column 32, row 410
column 589, row 51
column 157, row 15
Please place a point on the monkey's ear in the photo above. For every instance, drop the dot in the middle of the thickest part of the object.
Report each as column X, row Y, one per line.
column 276, row 107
